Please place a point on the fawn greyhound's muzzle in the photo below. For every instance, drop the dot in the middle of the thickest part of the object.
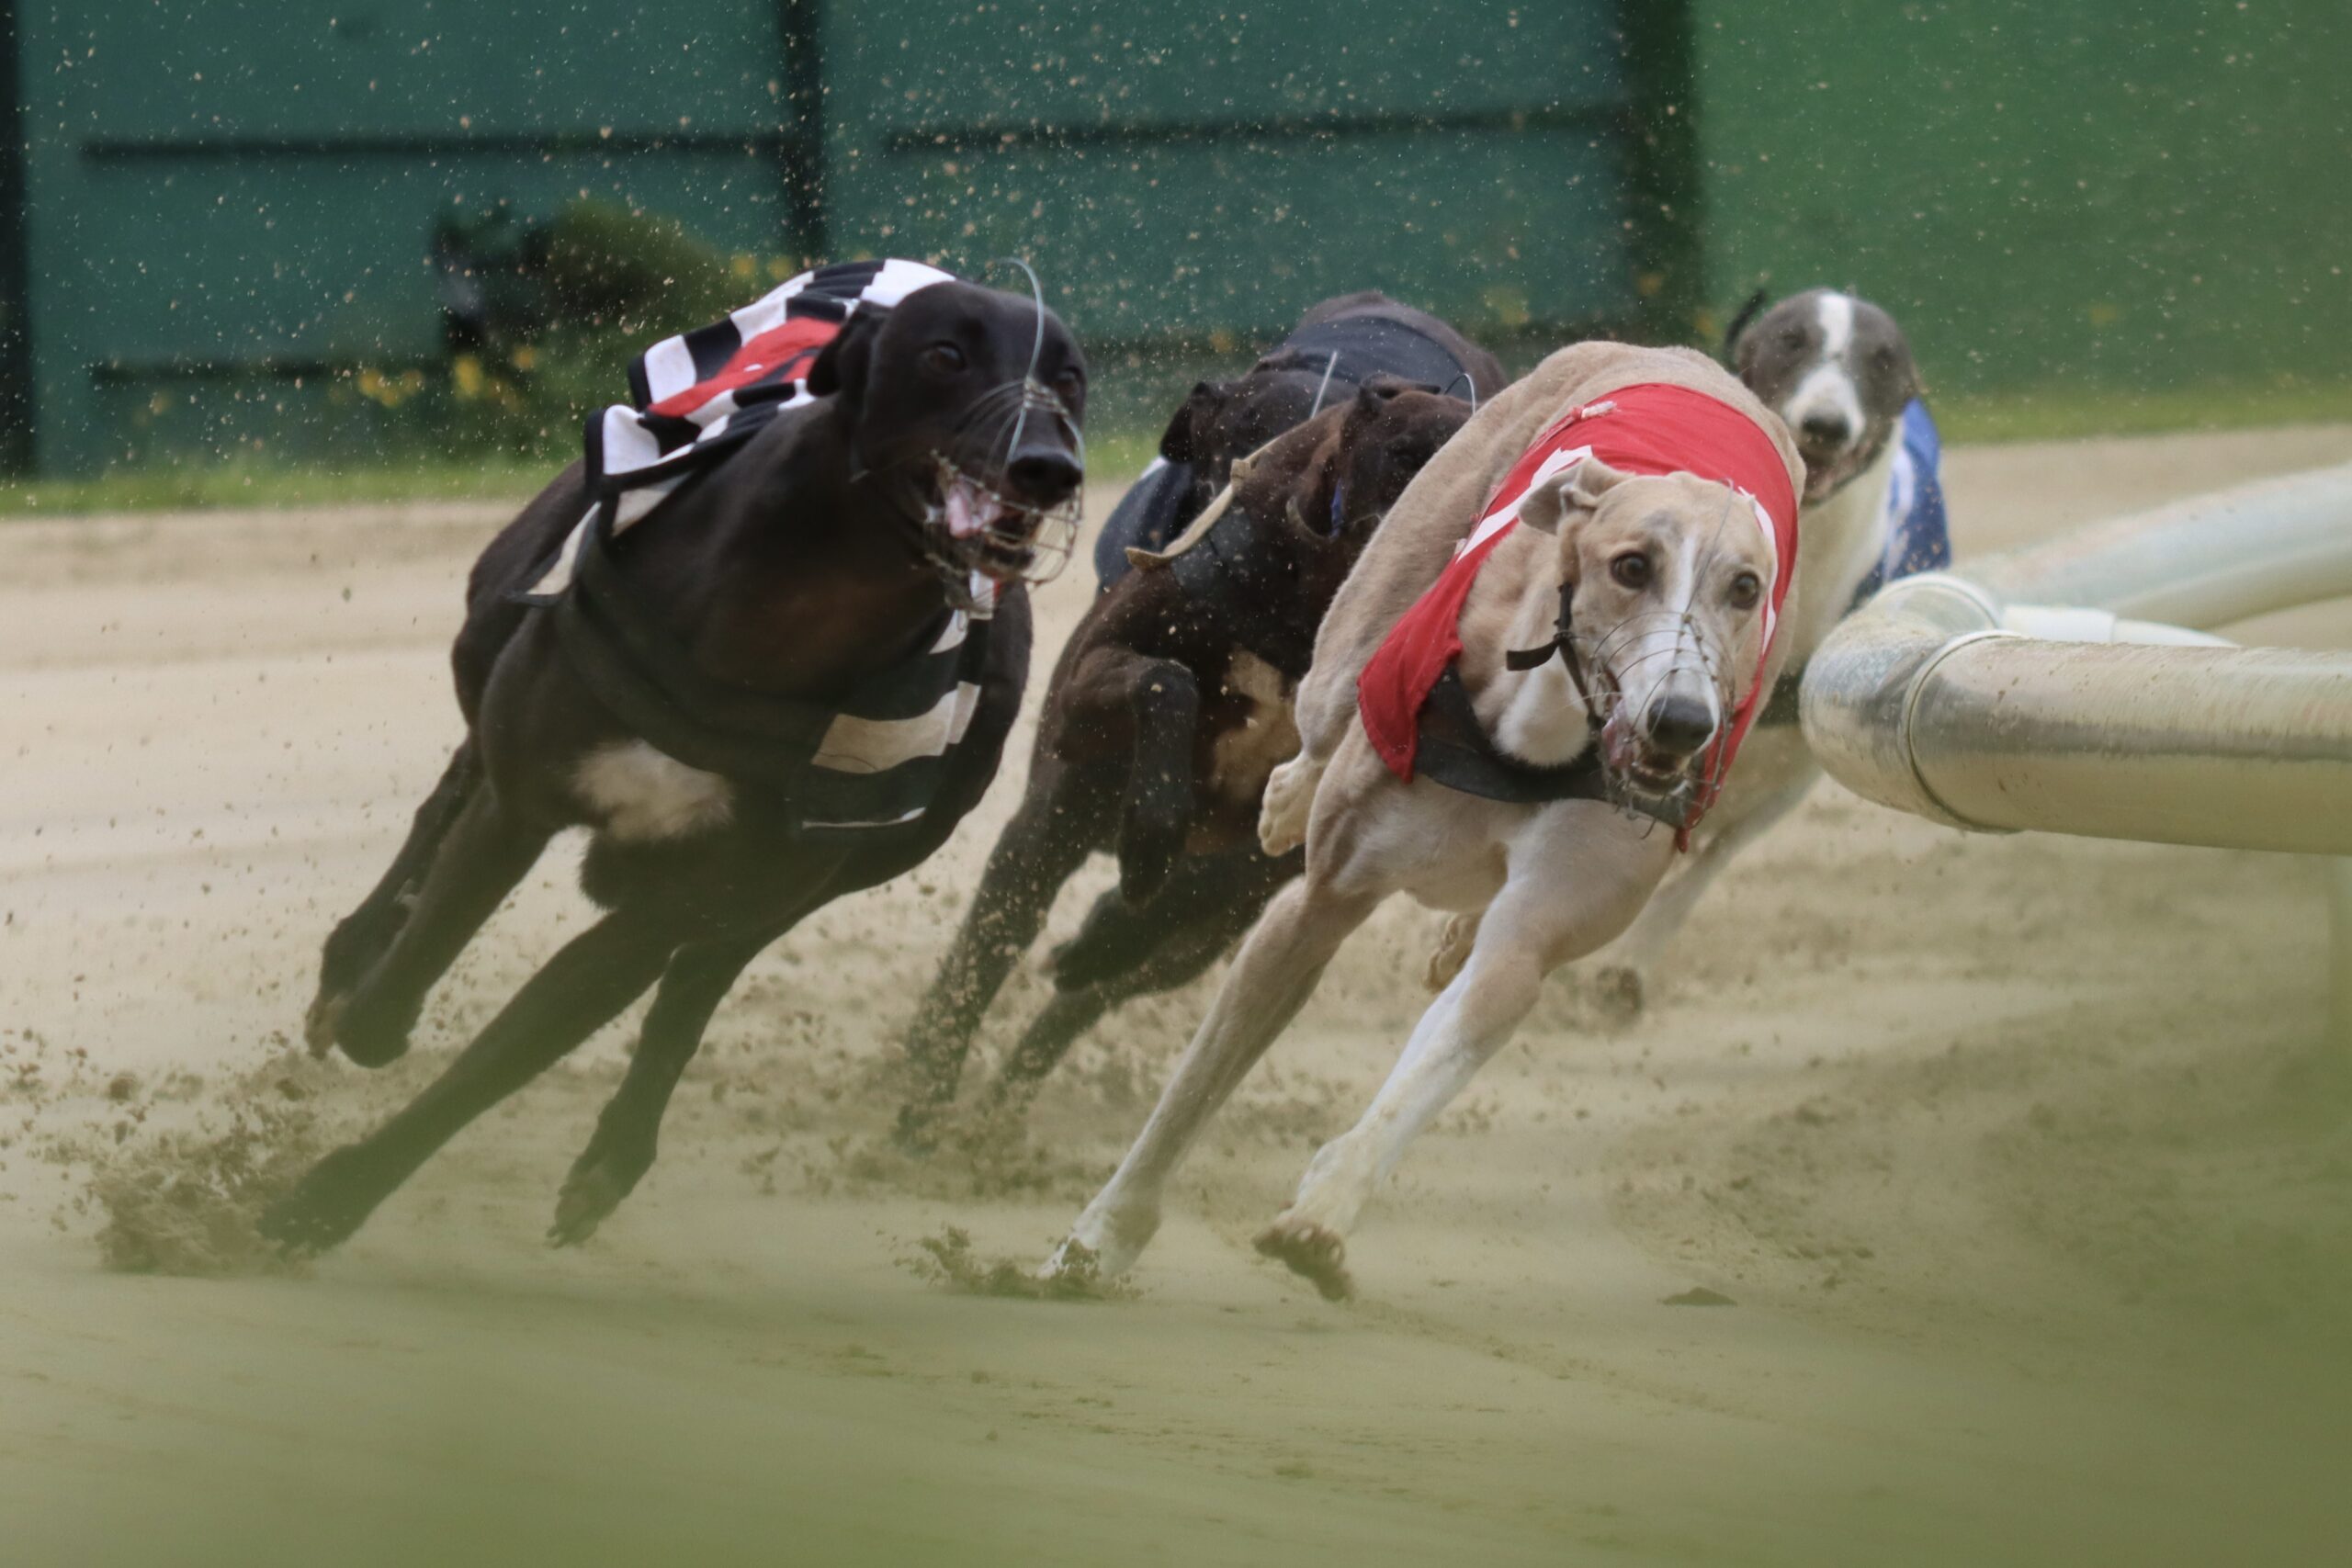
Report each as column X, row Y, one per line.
column 1652, row 694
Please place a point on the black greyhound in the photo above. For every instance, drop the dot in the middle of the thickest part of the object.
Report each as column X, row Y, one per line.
column 1169, row 707
column 743, row 625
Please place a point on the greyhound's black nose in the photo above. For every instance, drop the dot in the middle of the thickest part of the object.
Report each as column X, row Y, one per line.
column 1043, row 476
column 1679, row 725
column 1825, row 428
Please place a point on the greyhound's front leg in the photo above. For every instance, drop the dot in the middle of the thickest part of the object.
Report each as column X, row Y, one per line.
column 577, row 992
column 1576, row 879
column 1272, row 978
column 1623, row 975
column 1471, row 1019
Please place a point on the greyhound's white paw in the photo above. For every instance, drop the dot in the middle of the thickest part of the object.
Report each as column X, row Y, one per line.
column 1452, row 951
column 1101, row 1246
column 1072, row 1259
column 1315, row 1254
column 1290, row 795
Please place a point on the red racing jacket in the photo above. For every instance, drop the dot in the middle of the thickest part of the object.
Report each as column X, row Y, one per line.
column 1651, row 428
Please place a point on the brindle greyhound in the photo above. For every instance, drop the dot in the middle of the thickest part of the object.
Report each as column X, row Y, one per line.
column 1166, row 712
column 809, row 564
column 1339, row 344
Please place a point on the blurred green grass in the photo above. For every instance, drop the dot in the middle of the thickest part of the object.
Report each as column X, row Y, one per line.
column 2065, row 413
column 256, row 482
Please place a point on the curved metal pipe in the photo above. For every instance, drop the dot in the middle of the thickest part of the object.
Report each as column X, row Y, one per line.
column 2202, row 562
column 1928, row 701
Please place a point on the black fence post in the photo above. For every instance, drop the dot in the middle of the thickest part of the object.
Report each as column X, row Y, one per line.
column 16, row 405
column 801, row 25
column 1662, row 167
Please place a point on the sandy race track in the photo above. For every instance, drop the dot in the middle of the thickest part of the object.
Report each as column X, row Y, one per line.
column 2017, row 1160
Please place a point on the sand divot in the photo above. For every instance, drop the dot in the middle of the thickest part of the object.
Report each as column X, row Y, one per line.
column 186, row 1201
column 947, row 1260
column 179, row 1176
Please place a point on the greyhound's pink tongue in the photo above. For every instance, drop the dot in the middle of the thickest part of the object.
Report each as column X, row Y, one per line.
column 968, row 511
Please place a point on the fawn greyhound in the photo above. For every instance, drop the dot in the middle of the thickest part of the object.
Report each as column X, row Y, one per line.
column 1523, row 697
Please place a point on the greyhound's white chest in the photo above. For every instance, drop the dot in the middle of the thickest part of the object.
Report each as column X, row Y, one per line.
column 640, row 796
column 1541, row 721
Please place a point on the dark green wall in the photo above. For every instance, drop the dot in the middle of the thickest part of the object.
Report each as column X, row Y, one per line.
column 2151, row 195
column 2148, row 195
column 217, row 188
column 224, row 196
column 1193, row 170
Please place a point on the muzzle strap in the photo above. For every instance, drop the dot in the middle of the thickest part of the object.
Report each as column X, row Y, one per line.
column 1564, row 644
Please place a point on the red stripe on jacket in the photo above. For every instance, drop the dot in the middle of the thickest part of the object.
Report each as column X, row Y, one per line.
column 793, row 344
column 1652, row 429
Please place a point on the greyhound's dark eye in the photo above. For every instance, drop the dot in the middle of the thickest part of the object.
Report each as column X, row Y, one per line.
column 1069, row 384
column 1793, row 337
column 1631, row 569
column 944, row 358
column 1746, row 590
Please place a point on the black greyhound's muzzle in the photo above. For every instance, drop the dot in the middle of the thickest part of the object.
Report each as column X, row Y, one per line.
column 998, row 493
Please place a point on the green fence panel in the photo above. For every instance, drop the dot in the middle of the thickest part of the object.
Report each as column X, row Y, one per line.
column 1201, row 173
column 222, row 197
column 2143, row 197
column 219, row 186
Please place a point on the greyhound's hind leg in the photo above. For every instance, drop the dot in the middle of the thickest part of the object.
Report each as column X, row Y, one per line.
column 1160, row 804
column 1048, row 838
column 1122, row 952
column 583, row 987
column 361, row 938
column 482, row 856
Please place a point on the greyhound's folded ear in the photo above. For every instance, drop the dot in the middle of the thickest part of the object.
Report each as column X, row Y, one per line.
column 842, row 364
column 1736, row 333
column 1181, row 442
column 1569, row 495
